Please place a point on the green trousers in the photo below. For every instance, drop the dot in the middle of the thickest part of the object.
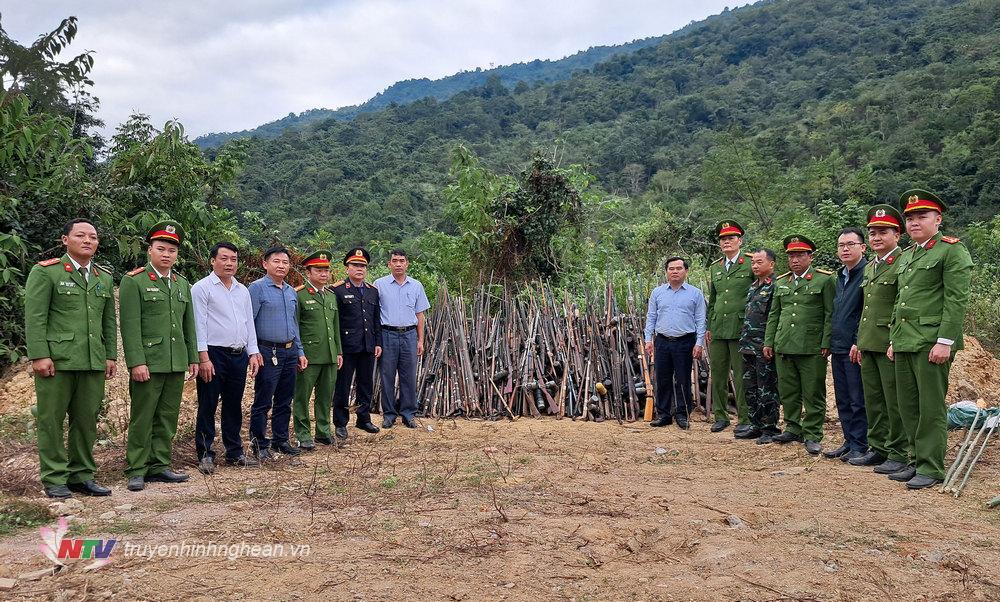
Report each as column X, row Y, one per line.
column 802, row 388
column 152, row 424
column 920, row 388
column 322, row 378
column 725, row 356
column 78, row 394
column 886, row 434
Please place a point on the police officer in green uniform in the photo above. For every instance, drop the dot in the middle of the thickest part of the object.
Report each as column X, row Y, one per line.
column 888, row 447
column 158, row 335
column 933, row 282
column 319, row 329
column 729, row 281
column 798, row 336
column 69, row 315
column 760, row 381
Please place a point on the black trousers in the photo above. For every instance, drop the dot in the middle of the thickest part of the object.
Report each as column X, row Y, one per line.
column 363, row 365
column 229, row 381
column 673, row 362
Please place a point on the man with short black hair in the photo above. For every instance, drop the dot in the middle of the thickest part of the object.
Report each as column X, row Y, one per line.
column 760, row 380
column 402, row 303
column 676, row 317
column 227, row 347
column 275, row 307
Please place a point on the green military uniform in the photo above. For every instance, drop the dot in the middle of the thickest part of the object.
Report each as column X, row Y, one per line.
column 727, row 296
column 158, row 331
column 933, row 284
column 71, row 320
column 798, row 328
column 319, row 328
column 760, row 380
column 878, row 375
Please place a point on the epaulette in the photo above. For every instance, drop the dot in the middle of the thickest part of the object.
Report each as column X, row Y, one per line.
column 337, row 283
column 909, row 247
column 137, row 271
column 950, row 239
column 46, row 263
column 106, row 268
column 788, row 273
column 822, row 271
column 749, row 254
column 299, row 287
column 722, row 261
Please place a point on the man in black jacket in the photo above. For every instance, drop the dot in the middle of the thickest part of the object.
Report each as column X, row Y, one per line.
column 847, row 374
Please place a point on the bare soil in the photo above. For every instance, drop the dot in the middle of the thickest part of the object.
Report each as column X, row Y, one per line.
column 526, row 510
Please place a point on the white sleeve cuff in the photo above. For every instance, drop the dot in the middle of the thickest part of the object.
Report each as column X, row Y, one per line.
column 945, row 341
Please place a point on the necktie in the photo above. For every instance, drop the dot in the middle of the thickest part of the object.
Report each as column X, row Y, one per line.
column 86, row 273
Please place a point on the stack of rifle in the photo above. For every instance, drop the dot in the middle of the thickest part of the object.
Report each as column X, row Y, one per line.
column 503, row 355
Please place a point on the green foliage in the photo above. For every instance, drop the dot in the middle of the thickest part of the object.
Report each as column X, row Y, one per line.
column 983, row 317
column 21, row 514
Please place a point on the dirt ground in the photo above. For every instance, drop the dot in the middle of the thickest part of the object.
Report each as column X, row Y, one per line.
column 527, row 510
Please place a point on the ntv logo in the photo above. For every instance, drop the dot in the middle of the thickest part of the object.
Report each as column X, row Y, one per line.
column 60, row 550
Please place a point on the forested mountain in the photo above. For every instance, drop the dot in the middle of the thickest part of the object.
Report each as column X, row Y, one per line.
column 764, row 113
column 410, row 90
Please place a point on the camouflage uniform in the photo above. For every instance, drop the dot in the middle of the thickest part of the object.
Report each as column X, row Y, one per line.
column 760, row 381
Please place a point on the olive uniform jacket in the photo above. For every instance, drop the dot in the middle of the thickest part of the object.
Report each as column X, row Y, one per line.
column 157, row 321
column 319, row 324
column 727, row 297
column 70, row 319
column 878, row 294
column 933, row 292
column 800, row 318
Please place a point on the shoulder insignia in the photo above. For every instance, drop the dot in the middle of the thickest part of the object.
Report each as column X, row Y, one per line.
column 890, row 259
column 950, row 239
column 748, row 254
column 741, row 260
column 722, row 261
column 137, row 271
column 822, row 271
column 783, row 275
column 909, row 247
column 49, row 262
column 299, row 287
column 338, row 283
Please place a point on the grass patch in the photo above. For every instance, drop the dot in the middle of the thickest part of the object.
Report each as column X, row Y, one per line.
column 390, row 482
column 21, row 514
column 18, row 428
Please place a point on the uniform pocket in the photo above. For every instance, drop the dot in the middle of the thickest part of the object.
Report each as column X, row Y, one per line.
column 151, row 341
column 60, row 345
column 930, row 320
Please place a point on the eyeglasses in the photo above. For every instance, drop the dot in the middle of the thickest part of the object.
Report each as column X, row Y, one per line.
column 849, row 245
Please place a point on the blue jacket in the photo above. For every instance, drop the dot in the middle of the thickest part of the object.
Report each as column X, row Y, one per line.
column 847, row 308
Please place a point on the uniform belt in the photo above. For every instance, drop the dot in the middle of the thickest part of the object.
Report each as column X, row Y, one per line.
column 683, row 336
column 287, row 345
column 399, row 328
column 229, row 350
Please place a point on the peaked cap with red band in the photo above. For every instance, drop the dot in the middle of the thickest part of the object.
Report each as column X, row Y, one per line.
column 319, row 259
column 729, row 228
column 885, row 216
column 921, row 200
column 167, row 230
column 797, row 242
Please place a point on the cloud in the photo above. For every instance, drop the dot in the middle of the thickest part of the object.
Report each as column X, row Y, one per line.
column 223, row 66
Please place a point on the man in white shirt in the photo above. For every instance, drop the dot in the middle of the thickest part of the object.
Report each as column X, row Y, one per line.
column 227, row 347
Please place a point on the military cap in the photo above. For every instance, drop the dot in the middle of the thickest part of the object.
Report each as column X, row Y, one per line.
column 319, row 259
column 167, row 230
column 797, row 242
column 729, row 228
column 357, row 255
column 885, row 216
column 920, row 200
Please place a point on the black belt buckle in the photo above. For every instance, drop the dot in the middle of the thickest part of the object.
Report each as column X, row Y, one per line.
column 400, row 328
column 287, row 345
column 235, row 350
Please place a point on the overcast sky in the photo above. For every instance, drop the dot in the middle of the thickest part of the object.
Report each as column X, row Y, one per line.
column 231, row 65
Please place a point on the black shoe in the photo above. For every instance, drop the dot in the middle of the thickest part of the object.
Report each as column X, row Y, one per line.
column 307, row 445
column 682, row 423
column 264, row 455
column 813, row 448
column 245, row 461
column 921, row 482
column 786, row 437
column 889, row 467
column 368, row 427
column 904, row 475
column 167, row 476
column 324, row 440
column 740, row 428
column 851, row 455
column 870, row 459
column 409, row 423
column 765, row 439
column 836, row 453
column 661, row 421
column 719, row 425
column 89, row 488
column 340, row 432
column 285, row 448
column 388, row 424
column 751, row 432
column 59, row 492
column 136, row 483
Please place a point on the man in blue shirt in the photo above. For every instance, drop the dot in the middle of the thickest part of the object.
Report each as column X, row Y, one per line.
column 275, row 304
column 676, row 317
column 402, row 305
